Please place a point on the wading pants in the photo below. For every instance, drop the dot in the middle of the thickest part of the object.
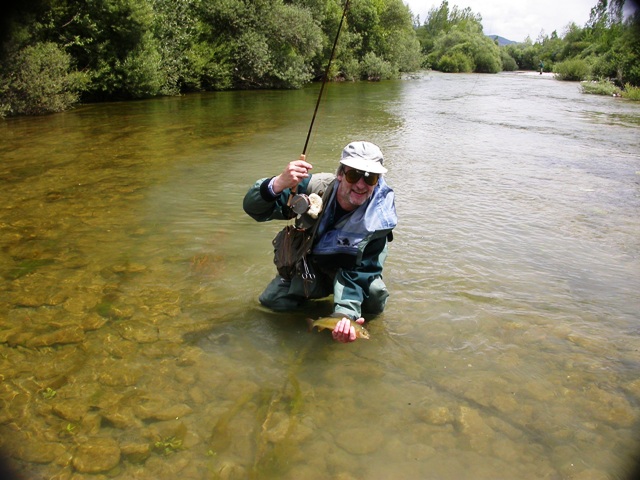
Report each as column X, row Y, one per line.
column 282, row 295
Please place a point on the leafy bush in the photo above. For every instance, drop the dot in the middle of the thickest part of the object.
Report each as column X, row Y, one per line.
column 631, row 92
column 601, row 87
column 574, row 70
column 41, row 81
column 628, row 49
column 140, row 75
column 208, row 68
column 508, row 62
column 404, row 49
column 487, row 61
column 603, row 66
column 350, row 70
column 376, row 68
column 457, row 62
column 116, row 42
column 465, row 49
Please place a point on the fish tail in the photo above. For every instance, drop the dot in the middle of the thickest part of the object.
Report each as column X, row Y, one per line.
column 309, row 323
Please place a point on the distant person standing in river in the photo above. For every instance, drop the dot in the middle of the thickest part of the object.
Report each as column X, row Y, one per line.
column 347, row 239
column 541, row 66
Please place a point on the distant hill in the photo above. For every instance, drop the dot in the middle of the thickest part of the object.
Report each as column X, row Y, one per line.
column 501, row 40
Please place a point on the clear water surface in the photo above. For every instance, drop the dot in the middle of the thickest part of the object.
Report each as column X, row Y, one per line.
column 132, row 344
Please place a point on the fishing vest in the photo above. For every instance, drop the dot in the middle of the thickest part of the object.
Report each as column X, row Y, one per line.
column 351, row 234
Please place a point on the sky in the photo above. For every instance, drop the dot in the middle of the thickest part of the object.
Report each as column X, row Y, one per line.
column 517, row 19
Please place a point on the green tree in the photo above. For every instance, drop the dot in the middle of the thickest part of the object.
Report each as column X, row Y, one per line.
column 460, row 45
column 526, row 54
column 124, row 54
column 607, row 46
column 441, row 20
column 176, row 27
column 266, row 43
column 380, row 32
column 611, row 48
column 112, row 40
column 626, row 51
column 140, row 48
column 508, row 62
column 42, row 81
column 400, row 46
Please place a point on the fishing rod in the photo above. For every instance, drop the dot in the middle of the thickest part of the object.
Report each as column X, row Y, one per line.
column 326, row 76
column 315, row 111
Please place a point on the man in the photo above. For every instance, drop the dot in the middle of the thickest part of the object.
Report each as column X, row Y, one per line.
column 349, row 236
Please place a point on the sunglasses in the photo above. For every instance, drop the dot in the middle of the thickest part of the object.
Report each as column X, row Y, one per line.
column 354, row 176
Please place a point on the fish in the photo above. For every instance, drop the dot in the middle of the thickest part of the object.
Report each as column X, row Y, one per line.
column 331, row 322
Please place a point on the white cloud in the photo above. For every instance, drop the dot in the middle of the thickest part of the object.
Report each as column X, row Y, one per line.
column 516, row 20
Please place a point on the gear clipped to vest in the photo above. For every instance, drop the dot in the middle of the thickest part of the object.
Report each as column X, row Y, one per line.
column 311, row 204
column 307, row 208
column 293, row 243
column 290, row 248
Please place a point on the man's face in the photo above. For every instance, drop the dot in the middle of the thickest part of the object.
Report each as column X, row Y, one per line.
column 351, row 195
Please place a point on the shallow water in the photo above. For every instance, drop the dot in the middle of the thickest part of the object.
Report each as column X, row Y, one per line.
column 132, row 344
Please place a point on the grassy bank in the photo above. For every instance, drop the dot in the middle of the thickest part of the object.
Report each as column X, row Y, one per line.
column 607, row 87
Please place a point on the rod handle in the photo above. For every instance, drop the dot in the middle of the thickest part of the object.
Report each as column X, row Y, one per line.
column 295, row 189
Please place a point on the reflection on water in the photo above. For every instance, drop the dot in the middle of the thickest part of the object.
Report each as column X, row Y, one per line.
column 132, row 343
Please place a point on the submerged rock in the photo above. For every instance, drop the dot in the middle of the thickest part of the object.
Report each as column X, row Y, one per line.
column 135, row 450
column 231, row 471
column 93, row 322
column 610, row 407
column 74, row 334
column 121, row 417
column 72, row 410
column 118, row 378
column 475, row 428
column 9, row 335
column 129, row 268
column 97, row 455
column 160, row 411
column 360, row 441
column 139, row 332
column 31, row 295
column 279, row 428
column 436, row 415
column 37, row 451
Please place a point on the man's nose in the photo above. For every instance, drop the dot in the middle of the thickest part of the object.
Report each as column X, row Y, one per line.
column 361, row 183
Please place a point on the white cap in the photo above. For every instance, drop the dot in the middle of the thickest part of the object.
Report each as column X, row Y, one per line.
column 364, row 156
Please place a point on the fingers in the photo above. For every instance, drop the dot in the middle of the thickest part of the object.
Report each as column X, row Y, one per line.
column 298, row 170
column 341, row 331
column 292, row 175
column 344, row 331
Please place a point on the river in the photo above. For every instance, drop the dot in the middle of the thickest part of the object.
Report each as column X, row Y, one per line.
column 132, row 344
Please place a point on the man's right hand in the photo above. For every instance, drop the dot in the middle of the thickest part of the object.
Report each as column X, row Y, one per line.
column 344, row 331
column 292, row 175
